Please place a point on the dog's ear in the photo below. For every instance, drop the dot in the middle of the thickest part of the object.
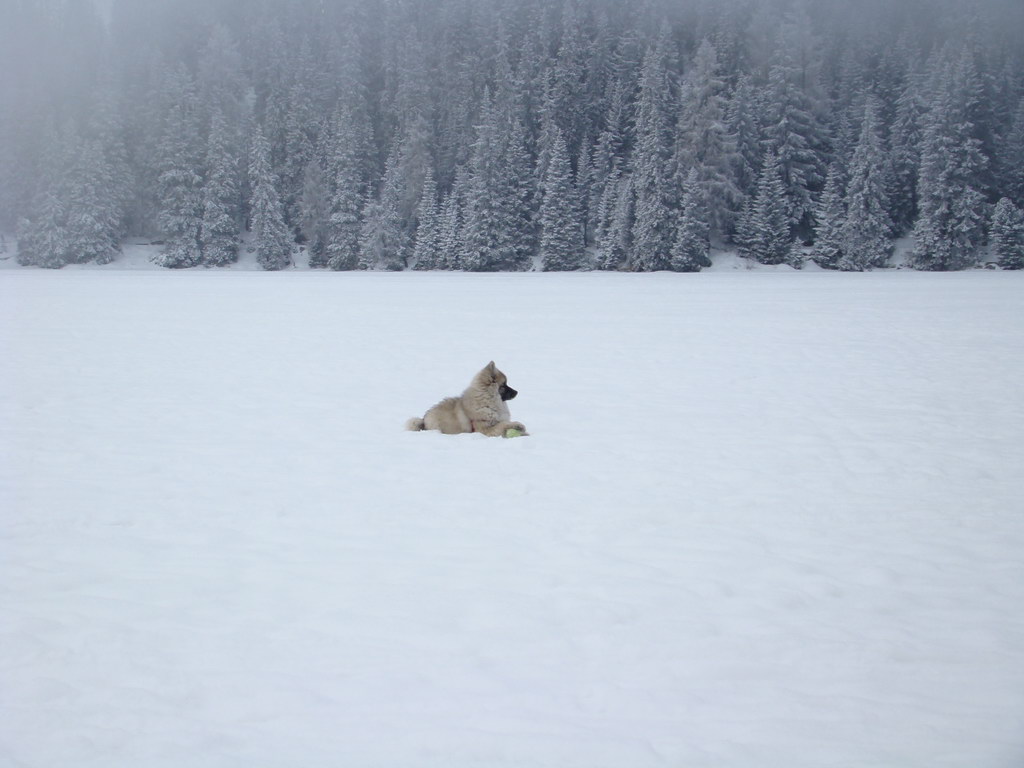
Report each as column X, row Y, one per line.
column 489, row 373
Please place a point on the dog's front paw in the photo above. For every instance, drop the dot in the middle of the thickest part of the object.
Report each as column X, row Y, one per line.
column 517, row 426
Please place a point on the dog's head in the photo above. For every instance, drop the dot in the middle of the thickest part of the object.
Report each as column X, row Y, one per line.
column 490, row 376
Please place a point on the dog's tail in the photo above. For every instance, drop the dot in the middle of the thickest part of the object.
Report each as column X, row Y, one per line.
column 414, row 424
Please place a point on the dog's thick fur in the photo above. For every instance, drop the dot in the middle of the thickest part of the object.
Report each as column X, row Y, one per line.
column 481, row 408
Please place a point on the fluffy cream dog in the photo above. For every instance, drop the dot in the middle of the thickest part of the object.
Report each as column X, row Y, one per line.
column 481, row 408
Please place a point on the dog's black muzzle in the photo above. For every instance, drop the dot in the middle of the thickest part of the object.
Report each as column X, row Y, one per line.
column 506, row 392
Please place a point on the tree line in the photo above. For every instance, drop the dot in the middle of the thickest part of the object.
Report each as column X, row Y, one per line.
column 489, row 135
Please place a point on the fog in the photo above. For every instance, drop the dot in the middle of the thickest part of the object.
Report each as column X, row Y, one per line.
column 130, row 88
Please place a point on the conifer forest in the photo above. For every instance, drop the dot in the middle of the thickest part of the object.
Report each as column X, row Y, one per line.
column 505, row 135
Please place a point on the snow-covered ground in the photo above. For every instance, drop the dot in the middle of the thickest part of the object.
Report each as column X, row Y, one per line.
column 765, row 518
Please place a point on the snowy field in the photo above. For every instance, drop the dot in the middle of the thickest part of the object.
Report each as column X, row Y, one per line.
column 765, row 518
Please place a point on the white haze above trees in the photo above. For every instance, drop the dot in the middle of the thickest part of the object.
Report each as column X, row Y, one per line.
column 499, row 135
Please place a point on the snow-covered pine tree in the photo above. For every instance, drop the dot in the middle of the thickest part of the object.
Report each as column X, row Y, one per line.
column 950, row 226
column 520, row 197
column 830, row 218
column 865, row 233
column 383, row 241
column 485, row 222
column 851, row 85
column 692, row 245
column 601, row 216
column 272, row 238
column 219, row 236
column 569, row 82
column 274, row 90
column 561, row 240
column 427, row 253
column 977, row 94
column 794, row 132
column 547, row 127
column 1008, row 235
column 373, row 238
column 93, row 207
column 742, row 115
column 450, row 233
column 765, row 223
column 453, row 221
column 515, row 188
column 609, row 157
column 143, row 133
column 76, row 217
column 180, row 182
column 300, row 132
column 613, row 243
column 1011, row 158
column 405, row 173
column 703, row 143
column 43, row 240
column 344, row 226
column 354, row 109
column 315, row 213
column 905, row 154
column 105, row 127
column 586, row 191
column 653, row 227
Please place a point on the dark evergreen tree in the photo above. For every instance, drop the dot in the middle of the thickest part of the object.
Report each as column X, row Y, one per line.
column 271, row 236
column 794, row 133
column 613, row 240
column 866, row 230
column 180, row 183
column 830, row 218
column 952, row 207
column 93, row 208
column 43, row 241
column 609, row 157
column 703, row 143
column 315, row 213
column 743, row 113
column 450, row 237
column 105, row 129
column 384, row 242
column 1011, row 159
column 691, row 248
column 494, row 216
column 764, row 228
column 427, row 253
column 569, row 88
column 1008, row 235
column 76, row 218
column 405, row 173
column 520, row 196
column 301, row 128
column 906, row 136
column 653, row 227
column 561, row 242
column 219, row 236
column 345, row 222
